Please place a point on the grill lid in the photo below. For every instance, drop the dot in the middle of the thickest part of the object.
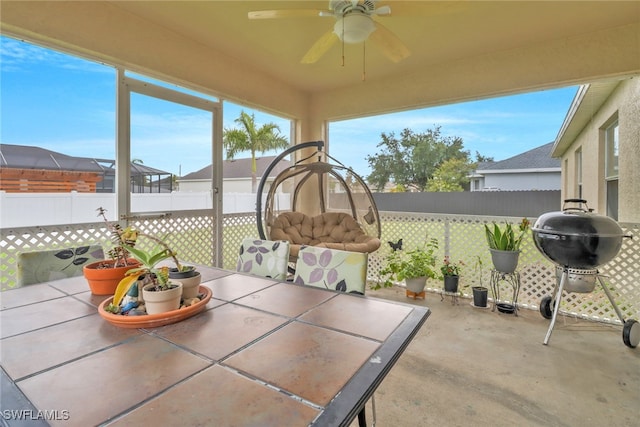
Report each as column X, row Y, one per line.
column 577, row 223
column 577, row 237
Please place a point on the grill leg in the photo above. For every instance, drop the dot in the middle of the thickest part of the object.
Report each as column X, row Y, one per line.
column 556, row 305
column 611, row 300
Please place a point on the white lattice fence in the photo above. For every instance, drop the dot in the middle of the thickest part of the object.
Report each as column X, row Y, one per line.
column 191, row 236
column 461, row 237
column 26, row 239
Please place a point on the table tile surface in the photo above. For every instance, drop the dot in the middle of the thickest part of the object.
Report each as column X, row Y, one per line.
column 54, row 345
column 210, row 399
column 364, row 316
column 42, row 314
column 286, row 299
column 306, row 360
column 307, row 344
column 97, row 387
column 234, row 286
column 219, row 332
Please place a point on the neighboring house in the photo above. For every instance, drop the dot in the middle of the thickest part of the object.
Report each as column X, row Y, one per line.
column 599, row 146
column 236, row 175
column 27, row 169
column 532, row 170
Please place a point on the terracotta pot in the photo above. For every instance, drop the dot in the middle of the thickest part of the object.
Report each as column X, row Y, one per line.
column 104, row 281
column 162, row 301
column 155, row 320
column 190, row 282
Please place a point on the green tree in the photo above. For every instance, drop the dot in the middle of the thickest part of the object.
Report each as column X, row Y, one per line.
column 253, row 139
column 481, row 158
column 412, row 160
column 451, row 175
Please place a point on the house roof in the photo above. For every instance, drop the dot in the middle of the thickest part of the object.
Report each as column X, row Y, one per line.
column 587, row 101
column 534, row 159
column 239, row 168
column 28, row 157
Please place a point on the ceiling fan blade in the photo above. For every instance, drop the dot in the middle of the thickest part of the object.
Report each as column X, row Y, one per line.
column 389, row 43
column 320, row 47
column 286, row 13
column 382, row 11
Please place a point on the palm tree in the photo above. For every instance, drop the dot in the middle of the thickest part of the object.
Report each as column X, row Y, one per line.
column 253, row 139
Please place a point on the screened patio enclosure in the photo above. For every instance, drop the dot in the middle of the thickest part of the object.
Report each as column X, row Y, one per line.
column 458, row 51
column 33, row 169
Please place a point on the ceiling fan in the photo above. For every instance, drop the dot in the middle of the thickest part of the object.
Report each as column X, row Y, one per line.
column 354, row 24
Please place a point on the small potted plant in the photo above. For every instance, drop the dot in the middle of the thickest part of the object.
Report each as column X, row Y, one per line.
column 148, row 283
column 103, row 276
column 451, row 274
column 413, row 266
column 189, row 277
column 480, row 292
column 505, row 244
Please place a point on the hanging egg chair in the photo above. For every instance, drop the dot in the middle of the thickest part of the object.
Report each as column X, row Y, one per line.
column 317, row 201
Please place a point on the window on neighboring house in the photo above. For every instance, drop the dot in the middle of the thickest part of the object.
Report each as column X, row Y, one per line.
column 578, row 172
column 611, row 168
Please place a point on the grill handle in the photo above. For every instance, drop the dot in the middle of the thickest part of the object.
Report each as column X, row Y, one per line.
column 576, row 208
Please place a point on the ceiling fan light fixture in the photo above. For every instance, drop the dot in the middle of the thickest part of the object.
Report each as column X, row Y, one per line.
column 354, row 28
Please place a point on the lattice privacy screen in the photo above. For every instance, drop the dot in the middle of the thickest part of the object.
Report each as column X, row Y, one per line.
column 460, row 237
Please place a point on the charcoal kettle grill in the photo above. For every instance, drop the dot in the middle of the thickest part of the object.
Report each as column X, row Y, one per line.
column 578, row 241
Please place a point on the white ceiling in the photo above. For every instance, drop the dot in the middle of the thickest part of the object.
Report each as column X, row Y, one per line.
column 435, row 33
column 459, row 50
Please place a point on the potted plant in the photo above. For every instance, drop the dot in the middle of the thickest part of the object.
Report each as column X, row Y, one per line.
column 189, row 277
column 103, row 276
column 505, row 244
column 414, row 266
column 451, row 274
column 480, row 293
column 148, row 283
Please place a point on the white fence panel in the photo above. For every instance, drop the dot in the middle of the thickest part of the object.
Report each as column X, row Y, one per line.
column 40, row 209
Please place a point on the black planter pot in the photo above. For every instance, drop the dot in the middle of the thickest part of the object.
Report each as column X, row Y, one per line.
column 451, row 283
column 480, row 296
column 175, row 274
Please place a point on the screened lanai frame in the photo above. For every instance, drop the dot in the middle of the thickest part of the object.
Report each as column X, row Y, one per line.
column 139, row 178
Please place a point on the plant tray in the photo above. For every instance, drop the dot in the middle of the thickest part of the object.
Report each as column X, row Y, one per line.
column 506, row 308
column 155, row 320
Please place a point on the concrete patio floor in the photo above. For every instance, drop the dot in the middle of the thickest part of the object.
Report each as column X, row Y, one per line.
column 475, row 367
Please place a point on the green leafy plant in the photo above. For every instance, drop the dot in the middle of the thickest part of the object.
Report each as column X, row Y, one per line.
column 158, row 276
column 507, row 239
column 400, row 265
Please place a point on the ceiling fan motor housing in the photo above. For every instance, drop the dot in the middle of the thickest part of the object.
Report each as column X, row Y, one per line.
column 354, row 28
column 341, row 7
column 354, row 22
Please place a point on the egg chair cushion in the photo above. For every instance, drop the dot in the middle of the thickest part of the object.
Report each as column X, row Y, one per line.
column 333, row 230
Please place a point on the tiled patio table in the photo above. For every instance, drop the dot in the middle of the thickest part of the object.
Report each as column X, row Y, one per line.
column 263, row 353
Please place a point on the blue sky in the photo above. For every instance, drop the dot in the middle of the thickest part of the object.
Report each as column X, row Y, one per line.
column 66, row 104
